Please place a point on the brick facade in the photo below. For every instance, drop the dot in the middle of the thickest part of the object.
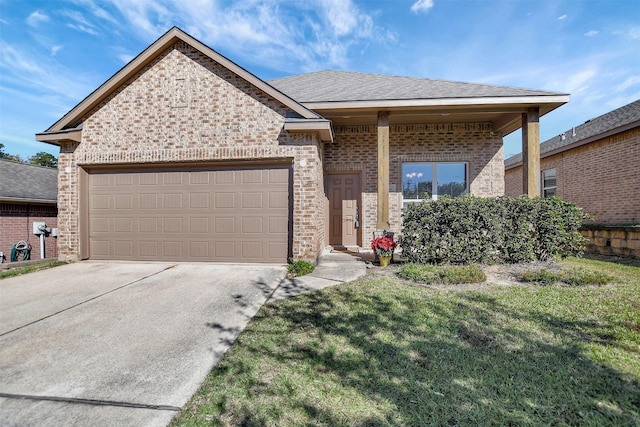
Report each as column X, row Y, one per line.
column 355, row 149
column 184, row 108
column 602, row 177
column 16, row 223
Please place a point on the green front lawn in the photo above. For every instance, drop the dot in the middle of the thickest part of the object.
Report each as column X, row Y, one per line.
column 381, row 352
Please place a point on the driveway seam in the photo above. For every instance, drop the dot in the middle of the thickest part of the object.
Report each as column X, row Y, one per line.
column 86, row 301
column 94, row 402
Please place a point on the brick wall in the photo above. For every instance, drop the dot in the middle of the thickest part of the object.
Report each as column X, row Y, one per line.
column 16, row 223
column 355, row 149
column 602, row 177
column 184, row 107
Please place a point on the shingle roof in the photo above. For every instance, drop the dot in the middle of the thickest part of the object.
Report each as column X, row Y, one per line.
column 28, row 183
column 593, row 129
column 336, row 86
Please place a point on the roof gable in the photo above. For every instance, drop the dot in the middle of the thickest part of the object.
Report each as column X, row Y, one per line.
column 616, row 121
column 72, row 119
column 28, row 183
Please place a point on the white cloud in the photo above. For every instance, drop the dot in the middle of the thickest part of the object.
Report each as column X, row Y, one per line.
column 422, row 6
column 40, row 73
column 79, row 23
column 342, row 16
column 629, row 82
column 54, row 49
column 634, row 33
column 278, row 32
column 591, row 33
column 580, row 81
column 36, row 18
column 125, row 57
column 562, row 18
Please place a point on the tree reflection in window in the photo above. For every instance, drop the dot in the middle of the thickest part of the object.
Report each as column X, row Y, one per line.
column 418, row 180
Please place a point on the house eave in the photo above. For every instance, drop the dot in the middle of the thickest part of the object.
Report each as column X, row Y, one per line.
column 56, row 137
column 441, row 103
column 321, row 127
column 24, row 200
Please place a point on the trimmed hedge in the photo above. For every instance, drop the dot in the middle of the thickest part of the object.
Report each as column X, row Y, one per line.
column 471, row 229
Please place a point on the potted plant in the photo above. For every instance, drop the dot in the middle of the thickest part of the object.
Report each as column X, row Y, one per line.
column 383, row 247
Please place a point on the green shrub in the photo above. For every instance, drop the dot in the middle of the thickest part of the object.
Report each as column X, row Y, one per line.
column 430, row 274
column 471, row 229
column 301, row 267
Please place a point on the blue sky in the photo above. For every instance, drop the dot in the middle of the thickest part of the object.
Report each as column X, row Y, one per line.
column 53, row 53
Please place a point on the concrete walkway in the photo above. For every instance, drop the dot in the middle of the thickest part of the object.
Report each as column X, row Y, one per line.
column 333, row 268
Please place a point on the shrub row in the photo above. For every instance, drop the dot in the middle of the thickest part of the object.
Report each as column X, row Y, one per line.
column 471, row 229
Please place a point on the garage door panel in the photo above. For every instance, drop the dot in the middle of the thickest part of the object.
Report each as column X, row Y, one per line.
column 225, row 200
column 123, row 225
column 199, row 201
column 225, row 225
column 199, row 225
column 207, row 215
column 148, row 225
column 148, row 248
column 123, row 248
column 252, row 200
column 100, row 225
column 148, row 201
column 172, row 201
column 225, row 177
column 172, row 225
column 101, row 202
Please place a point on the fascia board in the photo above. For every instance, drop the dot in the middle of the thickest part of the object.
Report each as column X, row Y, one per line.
column 440, row 102
column 323, row 127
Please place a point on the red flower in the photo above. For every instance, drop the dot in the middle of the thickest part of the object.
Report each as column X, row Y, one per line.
column 383, row 245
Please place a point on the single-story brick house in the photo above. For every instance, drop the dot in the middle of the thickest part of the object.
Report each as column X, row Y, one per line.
column 595, row 165
column 28, row 194
column 184, row 155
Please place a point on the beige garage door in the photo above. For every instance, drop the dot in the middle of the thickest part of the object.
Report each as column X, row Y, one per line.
column 230, row 215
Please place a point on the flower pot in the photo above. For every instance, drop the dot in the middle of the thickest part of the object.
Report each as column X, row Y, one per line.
column 384, row 260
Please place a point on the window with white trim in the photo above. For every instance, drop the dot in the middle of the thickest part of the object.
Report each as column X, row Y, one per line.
column 428, row 180
column 548, row 183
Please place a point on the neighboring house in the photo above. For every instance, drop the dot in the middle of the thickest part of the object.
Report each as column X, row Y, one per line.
column 184, row 155
column 595, row 165
column 28, row 194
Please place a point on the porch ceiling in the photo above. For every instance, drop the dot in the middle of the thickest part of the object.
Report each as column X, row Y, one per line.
column 505, row 118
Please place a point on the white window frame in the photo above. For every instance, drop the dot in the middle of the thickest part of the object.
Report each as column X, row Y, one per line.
column 543, row 188
column 434, row 179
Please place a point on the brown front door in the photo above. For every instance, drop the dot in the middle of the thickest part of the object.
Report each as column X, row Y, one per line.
column 344, row 200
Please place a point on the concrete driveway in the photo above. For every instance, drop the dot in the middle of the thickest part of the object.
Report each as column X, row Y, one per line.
column 102, row 343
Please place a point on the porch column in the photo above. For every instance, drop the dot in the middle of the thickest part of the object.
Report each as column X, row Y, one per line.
column 531, row 152
column 383, row 170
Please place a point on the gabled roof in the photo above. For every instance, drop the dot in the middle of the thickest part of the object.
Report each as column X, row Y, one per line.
column 20, row 182
column 342, row 86
column 611, row 123
column 69, row 126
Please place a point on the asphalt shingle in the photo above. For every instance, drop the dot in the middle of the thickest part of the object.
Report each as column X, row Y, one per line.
column 28, row 182
column 336, row 86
